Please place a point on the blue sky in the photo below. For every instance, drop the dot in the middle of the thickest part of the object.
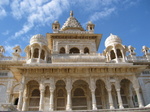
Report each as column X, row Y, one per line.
column 21, row 19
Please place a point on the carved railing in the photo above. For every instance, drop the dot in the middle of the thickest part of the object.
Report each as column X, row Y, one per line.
column 12, row 58
column 137, row 59
column 94, row 57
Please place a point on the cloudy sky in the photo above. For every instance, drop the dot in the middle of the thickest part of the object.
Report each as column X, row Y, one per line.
column 21, row 19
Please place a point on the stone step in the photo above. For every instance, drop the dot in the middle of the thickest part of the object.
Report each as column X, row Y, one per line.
column 100, row 110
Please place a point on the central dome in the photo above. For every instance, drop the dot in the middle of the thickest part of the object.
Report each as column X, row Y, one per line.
column 112, row 39
column 40, row 39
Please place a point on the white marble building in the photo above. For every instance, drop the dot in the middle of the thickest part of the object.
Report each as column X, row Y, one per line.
column 63, row 71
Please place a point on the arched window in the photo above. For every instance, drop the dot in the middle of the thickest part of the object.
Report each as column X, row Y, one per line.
column 112, row 54
column 43, row 54
column 86, row 50
column 35, row 92
column 62, row 50
column 16, row 101
column 36, row 53
column 74, row 50
column 79, row 92
column 119, row 53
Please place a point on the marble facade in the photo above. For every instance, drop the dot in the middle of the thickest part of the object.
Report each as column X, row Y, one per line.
column 63, row 71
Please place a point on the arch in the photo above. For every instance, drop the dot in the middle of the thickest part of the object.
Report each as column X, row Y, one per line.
column 74, row 50
column 60, row 95
column 80, row 95
column 101, row 94
column 127, row 92
column 112, row 55
column 62, row 50
column 36, row 53
column 34, row 95
column 16, row 88
column 86, row 50
column 42, row 54
column 119, row 54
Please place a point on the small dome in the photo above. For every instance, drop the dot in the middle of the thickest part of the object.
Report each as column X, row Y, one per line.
column 56, row 22
column 90, row 22
column 112, row 39
column 40, row 39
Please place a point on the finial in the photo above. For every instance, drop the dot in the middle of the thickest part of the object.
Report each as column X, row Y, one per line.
column 71, row 13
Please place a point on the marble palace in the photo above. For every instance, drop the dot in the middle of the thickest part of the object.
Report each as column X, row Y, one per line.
column 64, row 71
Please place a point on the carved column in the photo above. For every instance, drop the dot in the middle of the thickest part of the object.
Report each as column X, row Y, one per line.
column 21, row 93
column 139, row 98
column 114, row 49
column 136, row 88
column 24, row 100
column 93, row 87
column 45, row 56
column 68, row 88
column 117, row 86
column 52, row 88
column 32, row 52
column 42, row 89
column 39, row 57
column 119, row 99
column 110, row 99
column 123, row 55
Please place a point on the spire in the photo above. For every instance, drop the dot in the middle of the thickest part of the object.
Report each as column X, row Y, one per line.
column 71, row 13
column 72, row 23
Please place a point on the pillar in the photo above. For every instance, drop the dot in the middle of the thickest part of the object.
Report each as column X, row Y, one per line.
column 24, row 100
column 52, row 88
column 119, row 99
column 42, row 89
column 139, row 98
column 116, row 55
column 110, row 99
column 68, row 88
column 93, row 87
column 51, row 103
column 40, row 50
column 21, row 94
column 123, row 55
column 93, row 100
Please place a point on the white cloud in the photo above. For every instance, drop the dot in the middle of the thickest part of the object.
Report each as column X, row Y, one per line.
column 99, row 15
column 37, row 12
column 2, row 12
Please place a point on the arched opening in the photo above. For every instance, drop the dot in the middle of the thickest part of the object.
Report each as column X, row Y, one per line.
column 114, row 96
column 62, row 50
column 86, row 51
column 36, row 53
column 112, row 55
column 128, row 95
column 34, row 95
column 81, row 96
column 119, row 54
column 16, row 101
column 101, row 95
column 74, row 50
column 42, row 54
column 60, row 95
